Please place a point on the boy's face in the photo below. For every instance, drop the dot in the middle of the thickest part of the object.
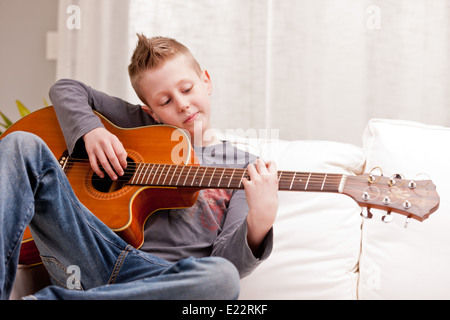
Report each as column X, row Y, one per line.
column 177, row 95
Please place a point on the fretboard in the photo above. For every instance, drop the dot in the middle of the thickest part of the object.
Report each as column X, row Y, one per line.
column 149, row 174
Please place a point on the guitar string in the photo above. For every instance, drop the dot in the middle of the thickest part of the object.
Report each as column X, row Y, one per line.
column 351, row 186
column 355, row 188
column 286, row 176
column 315, row 184
column 130, row 170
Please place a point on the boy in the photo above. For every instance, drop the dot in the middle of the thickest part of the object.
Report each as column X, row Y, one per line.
column 171, row 262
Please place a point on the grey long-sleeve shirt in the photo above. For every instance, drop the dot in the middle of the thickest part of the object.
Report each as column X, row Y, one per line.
column 214, row 226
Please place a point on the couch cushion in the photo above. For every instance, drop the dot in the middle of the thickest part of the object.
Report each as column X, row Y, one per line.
column 317, row 236
column 411, row 263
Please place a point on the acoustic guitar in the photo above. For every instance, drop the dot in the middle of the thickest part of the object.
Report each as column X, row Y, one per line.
column 163, row 172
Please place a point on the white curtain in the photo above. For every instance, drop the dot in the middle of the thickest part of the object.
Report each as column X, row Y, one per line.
column 93, row 43
column 312, row 69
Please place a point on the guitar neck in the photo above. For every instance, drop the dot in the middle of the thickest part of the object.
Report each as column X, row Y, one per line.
column 149, row 174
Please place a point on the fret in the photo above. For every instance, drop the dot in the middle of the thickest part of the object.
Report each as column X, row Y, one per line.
column 287, row 181
column 323, row 183
column 132, row 178
column 307, row 182
column 203, row 176
column 223, row 171
column 174, row 174
column 212, row 175
column 143, row 172
column 292, row 182
column 150, row 173
column 148, row 176
column 183, row 175
column 316, row 182
column 231, row 177
column 193, row 178
column 237, row 180
column 155, row 173
column 199, row 169
column 179, row 176
column 160, row 173
column 187, row 175
column 335, row 184
column 242, row 177
column 302, row 180
column 168, row 171
column 136, row 175
column 168, row 166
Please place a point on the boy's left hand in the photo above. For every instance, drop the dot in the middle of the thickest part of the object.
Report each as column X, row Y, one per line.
column 262, row 197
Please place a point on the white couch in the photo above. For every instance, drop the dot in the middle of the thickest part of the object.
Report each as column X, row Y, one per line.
column 323, row 248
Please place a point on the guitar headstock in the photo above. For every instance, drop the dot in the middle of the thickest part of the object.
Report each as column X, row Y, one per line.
column 415, row 198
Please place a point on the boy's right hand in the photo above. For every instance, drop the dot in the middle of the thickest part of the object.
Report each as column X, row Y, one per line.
column 106, row 149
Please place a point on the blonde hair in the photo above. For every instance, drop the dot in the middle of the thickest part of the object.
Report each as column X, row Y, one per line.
column 152, row 53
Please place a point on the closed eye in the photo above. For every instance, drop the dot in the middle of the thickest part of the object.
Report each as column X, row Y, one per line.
column 187, row 90
column 165, row 103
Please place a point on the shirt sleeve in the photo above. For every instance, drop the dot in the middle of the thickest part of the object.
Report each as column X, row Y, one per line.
column 232, row 242
column 74, row 104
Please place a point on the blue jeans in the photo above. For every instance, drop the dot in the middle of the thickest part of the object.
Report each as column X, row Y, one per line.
column 84, row 258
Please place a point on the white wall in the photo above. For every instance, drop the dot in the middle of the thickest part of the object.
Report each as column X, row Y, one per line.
column 25, row 73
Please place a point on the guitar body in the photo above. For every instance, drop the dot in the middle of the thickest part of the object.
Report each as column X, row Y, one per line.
column 124, row 209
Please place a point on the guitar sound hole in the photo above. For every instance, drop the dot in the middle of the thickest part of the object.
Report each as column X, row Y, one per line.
column 107, row 185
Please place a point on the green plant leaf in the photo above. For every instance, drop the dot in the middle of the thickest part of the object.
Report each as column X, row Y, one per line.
column 7, row 123
column 22, row 109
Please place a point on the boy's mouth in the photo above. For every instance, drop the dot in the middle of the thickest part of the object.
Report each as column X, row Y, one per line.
column 191, row 118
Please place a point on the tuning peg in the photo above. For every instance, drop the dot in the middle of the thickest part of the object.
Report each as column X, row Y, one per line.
column 365, row 212
column 387, row 218
column 393, row 179
column 406, row 204
column 406, row 222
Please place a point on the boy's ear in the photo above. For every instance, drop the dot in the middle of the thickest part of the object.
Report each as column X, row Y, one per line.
column 150, row 112
column 207, row 81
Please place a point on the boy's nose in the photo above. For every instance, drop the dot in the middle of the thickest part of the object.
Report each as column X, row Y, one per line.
column 182, row 104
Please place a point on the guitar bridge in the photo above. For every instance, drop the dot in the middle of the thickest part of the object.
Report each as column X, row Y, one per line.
column 63, row 160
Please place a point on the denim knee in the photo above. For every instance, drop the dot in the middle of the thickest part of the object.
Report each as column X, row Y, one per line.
column 22, row 140
column 221, row 278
